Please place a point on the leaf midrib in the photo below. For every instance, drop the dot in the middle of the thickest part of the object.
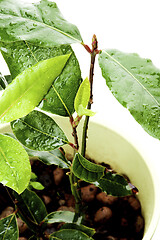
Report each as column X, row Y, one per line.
column 44, row 133
column 8, row 163
column 8, row 226
column 124, row 68
column 13, row 104
column 46, row 25
column 100, row 171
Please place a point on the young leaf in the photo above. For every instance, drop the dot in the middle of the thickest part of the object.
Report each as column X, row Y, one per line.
column 30, row 204
column 36, row 185
column 60, row 98
column 39, row 132
column 28, row 88
column 134, row 81
column 38, row 22
column 114, row 184
column 89, row 231
column 66, row 234
column 9, row 228
column 60, row 216
column 82, row 98
column 86, row 170
column 15, row 169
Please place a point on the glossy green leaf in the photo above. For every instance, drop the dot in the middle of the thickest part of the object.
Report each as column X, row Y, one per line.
column 39, row 22
column 9, row 228
column 15, row 169
column 114, row 184
column 86, row 170
column 36, row 185
column 82, row 99
column 89, row 231
column 60, row 98
column 30, row 204
column 67, row 234
column 135, row 82
column 29, row 87
column 47, row 157
column 60, row 216
column 39, row 132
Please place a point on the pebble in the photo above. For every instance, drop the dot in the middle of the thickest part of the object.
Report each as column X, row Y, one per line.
column 88, row 193
column 134, row 203
column 21, row 225
column 58, row 175
column 70, row 201
column 111, row 238
column 22, row 238
column 46, row 199
column 6, row 212
column 103, row 214
column 65, row 208
column 139, row 224
column 106, row 199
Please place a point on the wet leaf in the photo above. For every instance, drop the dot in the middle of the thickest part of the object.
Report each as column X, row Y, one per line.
column 29, row 87
column 60, row 98
column 66, row 234
column 39, row 132
column 114, row 184
column 60, row 216
column 86, row 170
column 47, row 157
column 135, row 82
column 39, row 22
column 30, row 204
column 9, row 228
column 82, row 99
column 15, row 169
column 89, row 231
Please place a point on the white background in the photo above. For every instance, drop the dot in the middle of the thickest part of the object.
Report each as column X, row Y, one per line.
column 130, row 26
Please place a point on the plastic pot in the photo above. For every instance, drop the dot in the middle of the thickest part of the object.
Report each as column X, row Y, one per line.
column 105, row 145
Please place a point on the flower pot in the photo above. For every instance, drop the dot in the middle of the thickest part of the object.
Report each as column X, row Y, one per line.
column 105, row 145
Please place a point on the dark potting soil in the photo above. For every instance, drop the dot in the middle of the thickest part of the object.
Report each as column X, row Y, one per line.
column 113, row 218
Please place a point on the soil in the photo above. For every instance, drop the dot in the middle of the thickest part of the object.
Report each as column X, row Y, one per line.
column 113, row 218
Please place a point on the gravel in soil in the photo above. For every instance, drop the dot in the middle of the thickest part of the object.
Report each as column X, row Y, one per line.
column 114, row 218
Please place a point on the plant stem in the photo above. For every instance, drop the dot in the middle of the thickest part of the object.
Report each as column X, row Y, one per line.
column 74, row 132
column 93, row 53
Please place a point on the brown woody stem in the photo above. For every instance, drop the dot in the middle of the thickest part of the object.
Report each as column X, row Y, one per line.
column 93, row 53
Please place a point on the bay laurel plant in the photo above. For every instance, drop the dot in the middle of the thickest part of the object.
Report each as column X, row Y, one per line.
column 35, row 41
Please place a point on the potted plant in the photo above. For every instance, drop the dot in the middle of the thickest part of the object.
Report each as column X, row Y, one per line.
column 35, row 43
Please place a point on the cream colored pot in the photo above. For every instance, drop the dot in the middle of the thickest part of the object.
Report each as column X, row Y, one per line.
column 104, row 145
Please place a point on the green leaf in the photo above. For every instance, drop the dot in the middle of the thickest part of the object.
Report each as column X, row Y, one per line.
column 89, row 231
column 60, row 98
column 28, row 88
column 86, row 170
column 60, row 216
column 36, row 185
column 67, row 234
column 134, row 81
column 15, row 169
column 114, row 184
column 51, row 157
column 9, row 228
column 82, row 98
column 30, row 204
column 39, row 132
column 38, row 22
